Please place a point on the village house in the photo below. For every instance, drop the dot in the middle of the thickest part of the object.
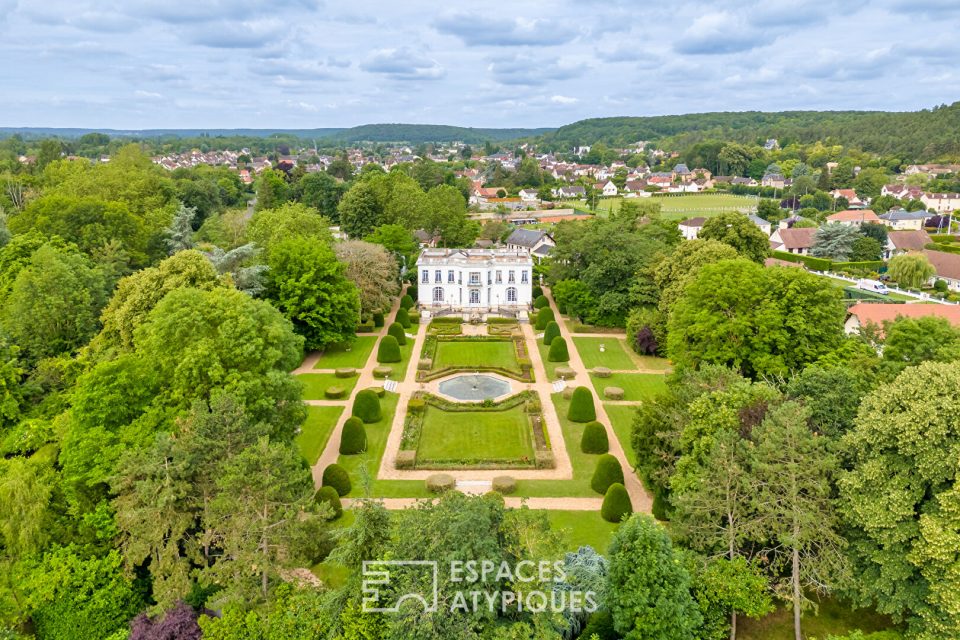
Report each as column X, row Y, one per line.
column 475, row 280
column 774, row 180
column 947, row 266
column 902, row 220
column 941, row 202
column 876, row 314
column 763, row 225
column 529, row 195
column 573, row 191
column 607, row 189
column 690, row 228
column 853, row 217
column 538, row 243
column 853, row 200
column 903, row 241
column 798, row 241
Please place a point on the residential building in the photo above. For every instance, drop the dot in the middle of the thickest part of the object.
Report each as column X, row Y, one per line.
column 538, row 243
column 570, row 192
column 690, row 228
column 853, row 217
column 903, row 220
column 797, row 240
column 762, row 224
column 607, row 189
column 475, row 280
column 903, row 241
column 947, row 267
column 853, row 200
column 529, row 195
column 941, row 202
column 877, row 313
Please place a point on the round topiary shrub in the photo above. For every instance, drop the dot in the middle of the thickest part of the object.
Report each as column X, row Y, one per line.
column 613, row 393
column 536, row 291
column 389, row 350
column 940, row 286
column 608, row 471
column 328, row 495
column 334, row 392
column 616, row 503
column 406, row 302
column 440, row 482
column 382, row 372
column 396, row 330
column 337, row 477
column 581, row 406
column 566, row 372
column 379, row 391
column 345, row 372
column 552, row 331
column 353, row 438
column 594, row 438
column 366, row 406
column 378, row 319
column 541, row 302
column 403, row 318
column 544, row 317
column 558, row 350
column 602, row 372
column 413, row 292
column 504, row 485
column 414, row 317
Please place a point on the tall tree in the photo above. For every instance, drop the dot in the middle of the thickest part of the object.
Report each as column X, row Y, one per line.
column 911, row 270
column 360, row 210
column 835, row 241
column 374, row 272
column 736, row 230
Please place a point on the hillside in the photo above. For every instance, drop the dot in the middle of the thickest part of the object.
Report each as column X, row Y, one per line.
column 919, row 135
column 417, row 133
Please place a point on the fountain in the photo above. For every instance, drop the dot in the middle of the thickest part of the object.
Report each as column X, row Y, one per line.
column 474, row 387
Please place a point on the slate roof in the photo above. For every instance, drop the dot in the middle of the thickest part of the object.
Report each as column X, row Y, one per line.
column 525, row 237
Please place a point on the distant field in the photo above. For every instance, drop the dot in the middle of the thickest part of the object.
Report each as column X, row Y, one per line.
column 683, row 205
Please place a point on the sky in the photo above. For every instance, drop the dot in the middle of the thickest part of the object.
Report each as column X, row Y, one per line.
column 136, row 64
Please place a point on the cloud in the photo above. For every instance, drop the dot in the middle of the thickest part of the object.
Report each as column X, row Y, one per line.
column 238, row 35
column 719, row 33
column 527, row 70
column 558, row 99
column 147, row 94
column 479, row 30
column 298, row 69
column 403, row 64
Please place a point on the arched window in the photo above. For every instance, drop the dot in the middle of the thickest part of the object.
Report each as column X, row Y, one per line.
column 474, row 296
column 511, row 294
column 438, row 294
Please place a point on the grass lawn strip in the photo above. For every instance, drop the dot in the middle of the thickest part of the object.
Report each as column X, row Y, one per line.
column 482, row 435
column 551, row 367
column 376, row 443
column 467, row 354
column 614, row 356
column 314, row 385
column 337, row 356
column 636, row 386
column 621, row 419
column 316, row 431
column 581, row 528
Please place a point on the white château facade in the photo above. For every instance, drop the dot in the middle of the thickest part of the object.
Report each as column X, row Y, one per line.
column 475, row 280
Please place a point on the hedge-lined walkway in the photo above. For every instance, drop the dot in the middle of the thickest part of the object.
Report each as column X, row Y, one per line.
column 513, row 502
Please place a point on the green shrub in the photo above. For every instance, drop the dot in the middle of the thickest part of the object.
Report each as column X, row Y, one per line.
column 406, row 302
column 382, row 372
column 660, row 508
column 414, row 317
column 602, row 372
column 403, row 317
column 366, row 406
column 562, row 308
column 536, row 291
column 440, row 482
column 558, row 350
column 600, row 625
column 544, row 317
column 334, row 392
column 940, row 286
column 378, row 319
column 416, row 405
column 613, row 393
column 608, row 471
column 353, row 438
column 594, row 438
column 581, row 406
column 567, row 373
column 389, row 350
column 396, row 330
column 541, row 302
column 328, row 495
column 817, row 264
column 616, row 503
column 552, row 331
column 378, row 391
column 337, row 477
column 365, row 327
column 345, row 372
column 504, row 485
column 406, row 459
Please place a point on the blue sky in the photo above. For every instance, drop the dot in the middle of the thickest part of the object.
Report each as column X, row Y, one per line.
column 316, row 63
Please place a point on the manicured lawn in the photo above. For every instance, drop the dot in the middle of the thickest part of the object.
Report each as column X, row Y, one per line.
column 581, row 528
column 376, row 442
column 474, row 354
column 400, row 489
column 354, row 355
column 314, row 384
column 636, row 386
column 316, row 431
column 614, row 355
column 680, row 206
column 651, row 363
column 400, row 368
column 832, row 618
column 497, row 435
column 621, row 419
column 551, row 367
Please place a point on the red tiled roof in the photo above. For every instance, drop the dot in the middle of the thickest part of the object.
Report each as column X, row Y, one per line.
column 880, row 312
column 854, row 215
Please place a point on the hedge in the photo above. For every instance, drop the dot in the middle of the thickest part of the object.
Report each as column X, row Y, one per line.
column 544, row 317
column 337, row 477
column 552, row 331
column 382, row 372
column 440, row 482
column 815, row 264
column 581, row 406
column 608, row 471
column 616, row 503
column 403, row 318
column 345, row 372
column 366, row 406
column 389, row 350
column 946, row 248
column 334, row 392
column 396, row 330
column 871, row 265
column 541, row 302
column 558, row 350
column 944, row 237
column 406, row 302
column 613, row 393
column 594, row 439
column 537, row 291
column 378, row 319
column 353, row 438
column 328, row 495
column 504, row 484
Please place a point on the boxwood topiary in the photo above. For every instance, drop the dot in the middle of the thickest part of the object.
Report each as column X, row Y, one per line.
column 378, row 319
column 544, row 317
column 504, row 485
column 613, row 393
column 337, row 477
column 366, row 406
column 353, row 438
column 541, row 302
column 406, row 302
column 382, row 372
column 334, row 392
column 328, row 495
column 608, row 471
column 616, row 503
column 396, row 330
column 345, row 372
column 558, row 350
column 594, row 438
column 581, row 406
column 552, row 331
column 403, row 317
column 440, row 482
column 389, row 350
column 537, row 291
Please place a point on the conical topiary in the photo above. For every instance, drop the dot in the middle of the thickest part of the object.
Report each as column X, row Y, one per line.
column 403, row 317
column 378, row 319
column 541, row 302
column 396, row 330
column 616, row 503
column 608, row 471
column 544, row 317
column 552, row 331
column 581, row 405
column 594, row 438
column 406, row 302
column 337, row 477
column 329, row 496
column 353, row 438
column 389, row 350
column 366, row 406
column 558, row 350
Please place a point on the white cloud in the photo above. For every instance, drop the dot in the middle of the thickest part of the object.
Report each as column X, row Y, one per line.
column 558, row 99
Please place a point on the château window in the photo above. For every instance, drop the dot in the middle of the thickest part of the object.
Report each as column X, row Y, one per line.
column 474, row 296
column 425, row 278
column 499, row 277
column 438, row 276
column 523, row 277
column 450, row 277
column 474, row 277
column 511, row 294
column 438, row 294
column 510, row 277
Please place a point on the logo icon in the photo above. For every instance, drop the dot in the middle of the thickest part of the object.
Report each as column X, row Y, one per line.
column 379, row 575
